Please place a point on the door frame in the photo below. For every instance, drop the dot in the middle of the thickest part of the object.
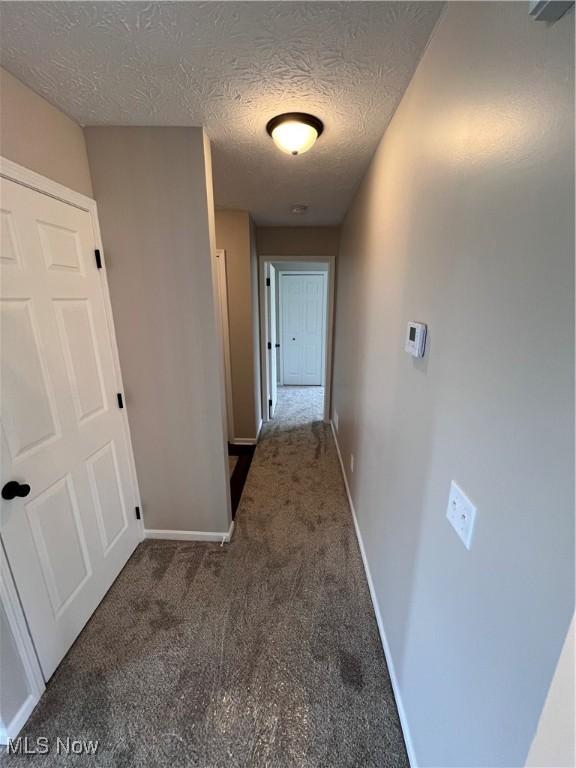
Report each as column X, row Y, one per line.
column 263, row 260
column 223, row 306
column 273, row 351
column 282, row 273
column 18, row 627
column 17, row 173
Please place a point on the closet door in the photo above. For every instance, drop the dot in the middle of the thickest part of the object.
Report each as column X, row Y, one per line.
column 67, row 517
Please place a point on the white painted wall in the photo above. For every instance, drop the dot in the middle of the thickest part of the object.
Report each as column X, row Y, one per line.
column 464, row 221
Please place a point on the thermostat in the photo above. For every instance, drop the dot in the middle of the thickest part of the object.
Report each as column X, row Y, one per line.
column 415, row 339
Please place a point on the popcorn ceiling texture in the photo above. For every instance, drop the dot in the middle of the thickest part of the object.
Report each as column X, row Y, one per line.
column 230, row 66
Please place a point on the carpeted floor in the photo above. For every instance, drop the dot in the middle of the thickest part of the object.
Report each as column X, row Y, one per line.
column 261, row 653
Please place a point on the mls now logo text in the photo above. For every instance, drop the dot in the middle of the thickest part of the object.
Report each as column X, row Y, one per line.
column 44, row 746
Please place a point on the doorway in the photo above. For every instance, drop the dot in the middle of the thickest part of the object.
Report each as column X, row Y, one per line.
column 296, row 309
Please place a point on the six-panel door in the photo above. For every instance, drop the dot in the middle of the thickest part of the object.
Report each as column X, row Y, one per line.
column 62, row 431
column 302, row 298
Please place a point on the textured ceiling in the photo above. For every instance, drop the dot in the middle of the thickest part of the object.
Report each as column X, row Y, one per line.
column 230, row 66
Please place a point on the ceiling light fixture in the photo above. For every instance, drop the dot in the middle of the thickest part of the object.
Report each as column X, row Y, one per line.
column 298, row 208
column 294, row 132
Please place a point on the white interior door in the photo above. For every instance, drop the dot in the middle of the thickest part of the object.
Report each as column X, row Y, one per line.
column 63, row 434
column 272, row 339
column 302, row 298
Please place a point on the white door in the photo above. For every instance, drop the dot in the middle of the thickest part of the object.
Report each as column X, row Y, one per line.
column 302, row 298
column 63, row 434
column 272, row 340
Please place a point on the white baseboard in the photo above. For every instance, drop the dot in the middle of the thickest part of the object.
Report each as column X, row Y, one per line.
column 385, row 645
column 154, row 533
column 248, row 440
column 11, row 730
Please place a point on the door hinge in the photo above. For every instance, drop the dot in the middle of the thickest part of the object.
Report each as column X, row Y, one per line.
column 269, row 345
column 137, row 510
column 277, row 346
column 120, row 400
column 267, row 281
column 270, row 403
column 98, row 259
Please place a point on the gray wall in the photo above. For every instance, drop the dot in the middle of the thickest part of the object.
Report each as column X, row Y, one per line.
column 154, row 192
column 234, row 235
column 40, row 137
column 464, row 221
column 297, row 241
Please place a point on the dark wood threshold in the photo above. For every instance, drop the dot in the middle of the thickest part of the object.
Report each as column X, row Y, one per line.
column 240, row 472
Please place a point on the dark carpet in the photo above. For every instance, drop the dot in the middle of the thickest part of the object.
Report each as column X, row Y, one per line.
column 260, row 653
column 243, row 454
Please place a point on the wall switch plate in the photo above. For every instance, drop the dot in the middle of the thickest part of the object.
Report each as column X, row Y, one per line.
column 461, row 514
column 336, row 420
column 351, row 462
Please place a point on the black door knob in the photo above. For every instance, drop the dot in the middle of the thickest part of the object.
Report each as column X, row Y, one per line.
column 13, row 489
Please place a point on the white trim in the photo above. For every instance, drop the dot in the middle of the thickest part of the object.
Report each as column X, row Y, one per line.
column 26, row 177
column 17, row 625
column 152, row 533
column 263, row 259
column 379, row 621
column 14, row 172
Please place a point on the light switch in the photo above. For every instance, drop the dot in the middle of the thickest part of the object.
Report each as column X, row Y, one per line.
column 461, row 514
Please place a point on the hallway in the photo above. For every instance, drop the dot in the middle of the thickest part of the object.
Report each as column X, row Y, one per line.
column 263, row 652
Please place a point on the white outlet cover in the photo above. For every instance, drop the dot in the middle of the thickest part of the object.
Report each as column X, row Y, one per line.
column 351, row 462
column 461, row 513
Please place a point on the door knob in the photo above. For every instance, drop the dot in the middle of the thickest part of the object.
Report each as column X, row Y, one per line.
column 13, row 489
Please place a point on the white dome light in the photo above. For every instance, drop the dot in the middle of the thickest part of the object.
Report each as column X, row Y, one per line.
column 294, row 132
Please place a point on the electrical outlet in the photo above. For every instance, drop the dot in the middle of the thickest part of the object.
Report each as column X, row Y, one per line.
column 461, row 514
column 336, row 420
column 351, row 462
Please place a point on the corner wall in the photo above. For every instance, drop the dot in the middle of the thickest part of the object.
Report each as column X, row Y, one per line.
column 41, row 137
column 464, row 221
column 234, row 234
column 154, row 192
